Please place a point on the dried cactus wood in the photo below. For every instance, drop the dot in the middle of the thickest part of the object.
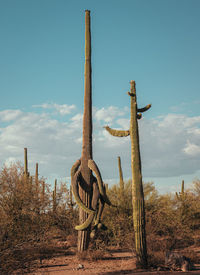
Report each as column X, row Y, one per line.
column 137, row 188
column 88, row 190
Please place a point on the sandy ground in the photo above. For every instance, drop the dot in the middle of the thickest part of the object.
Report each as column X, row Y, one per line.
column 115, row 262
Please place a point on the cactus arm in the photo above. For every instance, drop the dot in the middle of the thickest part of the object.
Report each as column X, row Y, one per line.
column 96, row 195
column 87, row 223
column 100, row 211
column 75, row 167
column 75, row 180
column 92, row 165
column 142, row 110
column 75, row 173
column 117, row 133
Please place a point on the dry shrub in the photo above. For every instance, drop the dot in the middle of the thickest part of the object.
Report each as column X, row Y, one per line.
column 91, row 255
column 27, row 223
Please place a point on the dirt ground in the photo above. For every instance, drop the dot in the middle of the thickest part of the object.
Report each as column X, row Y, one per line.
column 114, row 262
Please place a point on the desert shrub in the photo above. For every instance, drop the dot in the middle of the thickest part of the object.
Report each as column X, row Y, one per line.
column 118, row 219
column 28, row 223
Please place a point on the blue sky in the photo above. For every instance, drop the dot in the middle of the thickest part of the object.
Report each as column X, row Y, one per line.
column 155, row 43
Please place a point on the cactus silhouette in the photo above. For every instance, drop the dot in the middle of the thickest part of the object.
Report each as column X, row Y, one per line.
column 88, row 189
column 137, row 187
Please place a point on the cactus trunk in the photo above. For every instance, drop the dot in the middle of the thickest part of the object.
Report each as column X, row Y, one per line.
column 137, row 187
column 87, row 189
column 83, row 235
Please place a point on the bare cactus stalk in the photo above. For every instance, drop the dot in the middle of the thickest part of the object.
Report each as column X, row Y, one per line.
column 137, row 187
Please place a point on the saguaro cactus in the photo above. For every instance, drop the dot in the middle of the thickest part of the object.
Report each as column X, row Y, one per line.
column 183, row 203
column 137, row 188
column 26, row 173
column 88, row 190
column 121, row 181
column 36, row 179
column 55, row 196
column 182, row 195
column 71, row 203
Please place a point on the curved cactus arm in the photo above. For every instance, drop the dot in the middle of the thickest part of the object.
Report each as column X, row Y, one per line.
column 75, row 167
column 87, row 223
column 75, row 192
column 92, row 165
column 100, row 211
column 117, row 133
column 142, row 110
column 96, row 195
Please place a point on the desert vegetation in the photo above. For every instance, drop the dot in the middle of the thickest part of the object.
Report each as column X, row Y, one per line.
column 34, row 218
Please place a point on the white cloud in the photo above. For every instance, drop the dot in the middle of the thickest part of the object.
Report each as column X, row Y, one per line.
column 9, row 115
column 108, row 114
column 192, row 149
column 170, row 145
column 62, row 109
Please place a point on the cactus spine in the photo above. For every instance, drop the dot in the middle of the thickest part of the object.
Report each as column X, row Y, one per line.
column 88, row 190
column 137, row 188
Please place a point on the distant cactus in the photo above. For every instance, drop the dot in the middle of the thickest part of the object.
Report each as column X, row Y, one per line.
column 36, row 178
column 184, row 204
column 26, row 173
column 55, row 196
column 89, row 191
column 71, row 203
column 137, row 187
column 182, row 195
column 121, row 180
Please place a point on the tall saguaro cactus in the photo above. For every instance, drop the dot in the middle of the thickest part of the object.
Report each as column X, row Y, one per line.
column 137, row 188
column 88, row 190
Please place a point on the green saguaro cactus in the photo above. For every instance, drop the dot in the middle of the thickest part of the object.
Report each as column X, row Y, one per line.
column 88, row 190
column 137, row 187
